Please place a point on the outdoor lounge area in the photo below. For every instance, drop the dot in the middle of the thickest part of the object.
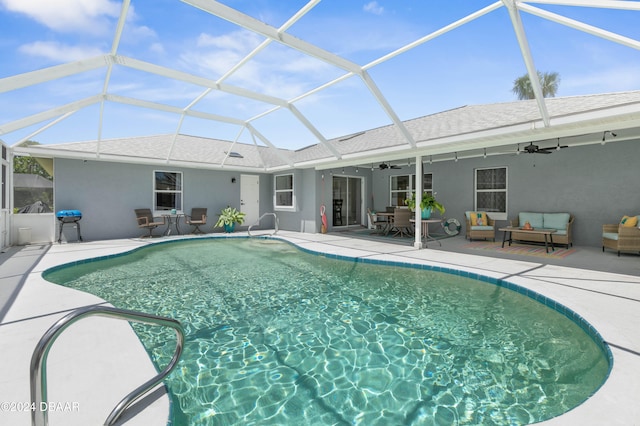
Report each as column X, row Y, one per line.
column 452, row 138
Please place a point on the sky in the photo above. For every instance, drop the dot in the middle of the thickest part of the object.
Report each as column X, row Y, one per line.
column 473, row 64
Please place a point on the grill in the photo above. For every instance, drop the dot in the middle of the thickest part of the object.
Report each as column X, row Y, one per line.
column 69, row 216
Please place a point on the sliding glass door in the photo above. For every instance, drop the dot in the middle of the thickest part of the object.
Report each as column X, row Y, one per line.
column 347, row 201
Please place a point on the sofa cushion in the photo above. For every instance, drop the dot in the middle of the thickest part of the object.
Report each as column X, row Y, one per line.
column 481, row 228
column 557, row 221
column 478, row 218
column 629, row 221
column 610, row 235
column 535, row 219
column 560, row 232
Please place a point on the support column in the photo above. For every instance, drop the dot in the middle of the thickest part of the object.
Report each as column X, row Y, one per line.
column 418, row 211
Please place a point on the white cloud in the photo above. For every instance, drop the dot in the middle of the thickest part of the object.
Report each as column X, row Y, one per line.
column 157, row 48
column 278, row 70
column 241, row 42
column 87, row 16
column 142, row 31
column 373, row 7
column 59, row 52
column 605, row 81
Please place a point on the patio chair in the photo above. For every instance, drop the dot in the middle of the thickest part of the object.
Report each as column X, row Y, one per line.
column 619, row 237
column 479, row 225
column 378, row 224
column 145, row 220
column 197, row 217
column 402, row 222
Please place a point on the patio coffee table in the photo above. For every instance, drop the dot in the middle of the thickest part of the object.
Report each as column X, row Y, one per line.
column 172, row 219
column 542, row 231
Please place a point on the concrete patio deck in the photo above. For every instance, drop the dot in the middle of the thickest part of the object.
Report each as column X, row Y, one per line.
column 98, row 361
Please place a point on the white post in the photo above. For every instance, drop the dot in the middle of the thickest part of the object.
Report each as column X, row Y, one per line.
column 418, row 212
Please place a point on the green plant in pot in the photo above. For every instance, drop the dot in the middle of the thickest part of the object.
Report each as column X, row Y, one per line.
column 428, row 203
column 228, row 218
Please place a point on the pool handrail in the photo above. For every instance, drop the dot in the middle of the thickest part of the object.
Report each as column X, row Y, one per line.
column 38, row 370
column 275, row 231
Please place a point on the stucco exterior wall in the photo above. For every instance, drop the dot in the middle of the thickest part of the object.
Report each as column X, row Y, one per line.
column 107, row 194
column 595, row 183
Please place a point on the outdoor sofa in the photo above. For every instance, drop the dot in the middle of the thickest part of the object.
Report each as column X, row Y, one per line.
column 561, row 222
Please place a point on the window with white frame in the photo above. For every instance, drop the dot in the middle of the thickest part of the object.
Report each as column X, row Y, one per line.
column 283, row 197
column 167, row 190
column 490, row 191
column 403, row 186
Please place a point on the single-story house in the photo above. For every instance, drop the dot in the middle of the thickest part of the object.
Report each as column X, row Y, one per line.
column 499, row 157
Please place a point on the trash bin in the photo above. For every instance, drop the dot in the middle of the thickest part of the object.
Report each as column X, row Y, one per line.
column 24, row 236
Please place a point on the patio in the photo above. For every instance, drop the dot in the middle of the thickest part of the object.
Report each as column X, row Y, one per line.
column 602, row 288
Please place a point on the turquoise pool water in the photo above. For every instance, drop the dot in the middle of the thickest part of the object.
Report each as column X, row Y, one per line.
column 278, row 336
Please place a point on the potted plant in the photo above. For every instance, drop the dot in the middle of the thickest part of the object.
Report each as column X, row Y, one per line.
column 427, row 204
column 229, row 216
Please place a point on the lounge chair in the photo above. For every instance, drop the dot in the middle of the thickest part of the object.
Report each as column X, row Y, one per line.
column 197, row 217
column 147, row 221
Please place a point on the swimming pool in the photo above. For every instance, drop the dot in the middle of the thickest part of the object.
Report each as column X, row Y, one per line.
column 343, row 342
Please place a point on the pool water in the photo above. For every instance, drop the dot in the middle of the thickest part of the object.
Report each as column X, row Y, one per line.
column 278, row 336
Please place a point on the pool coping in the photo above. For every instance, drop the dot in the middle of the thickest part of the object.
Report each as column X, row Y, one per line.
column 585, row 293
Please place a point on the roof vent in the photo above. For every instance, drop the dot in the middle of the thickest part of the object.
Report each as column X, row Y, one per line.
column 234, row 154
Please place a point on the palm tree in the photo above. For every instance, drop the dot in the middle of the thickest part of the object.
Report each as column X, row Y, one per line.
column 548, row 81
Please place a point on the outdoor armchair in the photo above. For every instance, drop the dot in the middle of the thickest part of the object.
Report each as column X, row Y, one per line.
column 402, row 222
column 479, row 226
column 377, row 224
column 197, row 218
column 621, row 238
column 145, row 220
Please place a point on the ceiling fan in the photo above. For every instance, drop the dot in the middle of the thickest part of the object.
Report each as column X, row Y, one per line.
column 535, row 149
column 384, row 166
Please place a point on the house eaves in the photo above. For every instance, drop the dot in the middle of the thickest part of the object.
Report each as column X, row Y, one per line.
column 499, row 126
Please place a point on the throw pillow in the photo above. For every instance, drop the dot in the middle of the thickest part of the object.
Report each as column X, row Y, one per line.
column 629, row 221
column 478, row 219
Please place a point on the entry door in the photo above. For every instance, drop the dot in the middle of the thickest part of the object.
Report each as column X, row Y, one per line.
column 250, row 198
column 347, row 200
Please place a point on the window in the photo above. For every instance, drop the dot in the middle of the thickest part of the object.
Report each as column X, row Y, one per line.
column 32, row 184
column 491, row 191
column 167, row 191
column 400, row 189
column 403, row 186
column 4, row 177
column 284, row 198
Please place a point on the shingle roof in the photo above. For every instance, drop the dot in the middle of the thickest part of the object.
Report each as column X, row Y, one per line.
column 464, row 121
column 24, row 180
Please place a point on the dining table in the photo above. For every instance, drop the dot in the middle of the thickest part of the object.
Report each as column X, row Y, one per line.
column 389, row 218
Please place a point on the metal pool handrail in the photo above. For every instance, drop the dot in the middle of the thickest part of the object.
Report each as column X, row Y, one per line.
column 258, row 222
column 38, row 372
